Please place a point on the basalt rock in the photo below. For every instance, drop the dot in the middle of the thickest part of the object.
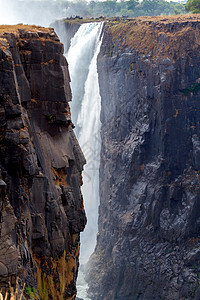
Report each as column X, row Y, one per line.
column 148, row 245
column 41, row 206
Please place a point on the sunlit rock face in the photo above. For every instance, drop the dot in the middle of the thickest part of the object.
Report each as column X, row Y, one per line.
column 149, row 228
column 41, row 206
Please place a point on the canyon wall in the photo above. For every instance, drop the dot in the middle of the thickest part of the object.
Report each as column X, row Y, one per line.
column 41, row 206
column 148, row 245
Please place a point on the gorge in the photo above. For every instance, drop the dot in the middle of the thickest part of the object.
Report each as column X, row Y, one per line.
column 148, row 229
column 148, row 235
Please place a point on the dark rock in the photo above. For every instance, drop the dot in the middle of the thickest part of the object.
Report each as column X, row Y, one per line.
column 41, row 164
column 2, row 183
column 149, row 225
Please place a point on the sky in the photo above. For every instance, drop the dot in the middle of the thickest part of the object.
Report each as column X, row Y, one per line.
column 29, row 12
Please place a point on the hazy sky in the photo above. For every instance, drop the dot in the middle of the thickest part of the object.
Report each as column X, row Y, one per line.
column 29, row 12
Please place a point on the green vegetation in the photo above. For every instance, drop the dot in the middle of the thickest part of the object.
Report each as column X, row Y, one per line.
column 60, row 9
column 31, row 292
column 128, row 8
column 193, row 6
column 50, row 118
column 194, row 88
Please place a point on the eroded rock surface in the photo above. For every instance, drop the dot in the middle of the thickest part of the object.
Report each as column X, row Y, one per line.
column 41, row 206
column 148, row 245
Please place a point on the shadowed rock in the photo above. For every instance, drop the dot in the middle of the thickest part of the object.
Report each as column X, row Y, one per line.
column 41, row 206
column 149, row 228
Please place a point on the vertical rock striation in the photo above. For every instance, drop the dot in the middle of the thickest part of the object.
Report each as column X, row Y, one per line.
column 148, row 245
column 41, row 206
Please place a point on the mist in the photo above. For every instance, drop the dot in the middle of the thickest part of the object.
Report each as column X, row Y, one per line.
column 45, row 12
column 36, row 12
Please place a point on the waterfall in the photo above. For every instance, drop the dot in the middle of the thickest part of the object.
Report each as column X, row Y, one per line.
column 85, row 108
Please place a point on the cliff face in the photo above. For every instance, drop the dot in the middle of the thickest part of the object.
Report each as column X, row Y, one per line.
column 41, row 207
column 148, row 245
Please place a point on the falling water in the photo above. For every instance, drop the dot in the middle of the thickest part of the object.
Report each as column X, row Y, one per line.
column 85, row 107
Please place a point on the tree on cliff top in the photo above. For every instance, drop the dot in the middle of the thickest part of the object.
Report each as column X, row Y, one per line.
column 193, row 6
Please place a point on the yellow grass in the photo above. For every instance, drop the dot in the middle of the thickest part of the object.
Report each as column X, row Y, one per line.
column 13, row 294
column 156, row 36
column 14, row 28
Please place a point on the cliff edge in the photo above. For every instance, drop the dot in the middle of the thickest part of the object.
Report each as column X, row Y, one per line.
column 41, row 206
column 148, row 245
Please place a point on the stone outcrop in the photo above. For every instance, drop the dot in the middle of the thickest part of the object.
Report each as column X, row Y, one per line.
column 148, row 245
column 41, row 206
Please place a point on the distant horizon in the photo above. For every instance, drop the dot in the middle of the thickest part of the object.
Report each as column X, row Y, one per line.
column 13, row 11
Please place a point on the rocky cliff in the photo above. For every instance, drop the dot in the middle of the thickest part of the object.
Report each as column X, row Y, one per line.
column 148, row 245
column 41, row 206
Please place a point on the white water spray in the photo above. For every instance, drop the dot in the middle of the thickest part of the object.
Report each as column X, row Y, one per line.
column 41, row 12
column 85, row 107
